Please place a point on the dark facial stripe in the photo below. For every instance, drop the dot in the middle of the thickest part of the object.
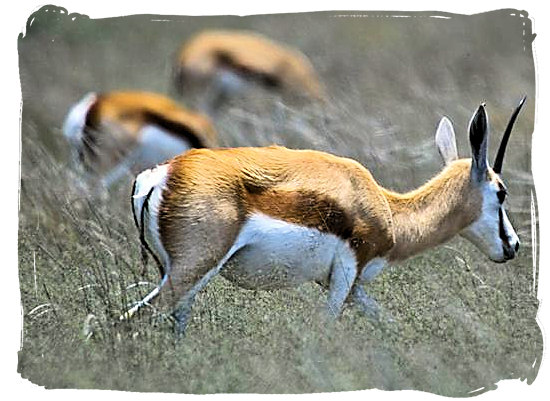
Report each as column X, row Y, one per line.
column 501, row 230
column 502, row 192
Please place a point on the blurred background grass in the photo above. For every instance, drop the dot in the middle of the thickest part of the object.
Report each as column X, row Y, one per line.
column 461, row 322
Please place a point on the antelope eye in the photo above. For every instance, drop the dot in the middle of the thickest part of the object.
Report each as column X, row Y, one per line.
column 501, row 195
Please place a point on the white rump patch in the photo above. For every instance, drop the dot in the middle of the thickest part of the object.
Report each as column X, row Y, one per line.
column 148, row 179
column 76, row 119
column 151, row 181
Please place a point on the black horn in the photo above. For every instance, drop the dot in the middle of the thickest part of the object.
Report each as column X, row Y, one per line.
column 497, row 166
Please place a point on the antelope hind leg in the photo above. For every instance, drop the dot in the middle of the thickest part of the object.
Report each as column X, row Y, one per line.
column 342, row 276
column 185, row 305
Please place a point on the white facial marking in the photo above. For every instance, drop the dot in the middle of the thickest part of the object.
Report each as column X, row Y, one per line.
column 278, row 254
column 485, row 232
column 510, row 233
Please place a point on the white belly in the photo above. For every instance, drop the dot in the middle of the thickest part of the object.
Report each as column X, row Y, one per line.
column 277, row 254
column 157, row 145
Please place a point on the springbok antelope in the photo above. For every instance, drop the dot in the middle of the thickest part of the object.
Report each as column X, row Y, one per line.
column 272, row 217
column 227, row 62
column 119, row 133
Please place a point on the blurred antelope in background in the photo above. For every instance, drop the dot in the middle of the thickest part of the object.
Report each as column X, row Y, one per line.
column 228, row 62
column 119, row 133
column 268, row 218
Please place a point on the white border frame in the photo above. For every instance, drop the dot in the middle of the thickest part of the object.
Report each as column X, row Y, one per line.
column 15, row 18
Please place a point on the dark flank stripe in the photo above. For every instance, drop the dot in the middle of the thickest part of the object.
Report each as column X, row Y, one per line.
column 318, row 211
column 175, row 127
column 226, row 60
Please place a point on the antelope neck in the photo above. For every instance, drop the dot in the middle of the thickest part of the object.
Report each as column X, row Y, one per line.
column 434, row 212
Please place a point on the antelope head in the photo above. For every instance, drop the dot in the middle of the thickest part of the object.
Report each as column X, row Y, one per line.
column 491, row 231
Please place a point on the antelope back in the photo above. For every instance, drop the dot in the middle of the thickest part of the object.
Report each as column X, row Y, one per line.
column 251, row 55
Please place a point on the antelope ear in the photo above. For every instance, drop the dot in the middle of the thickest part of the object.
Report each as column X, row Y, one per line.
column 479, row 137
column 446, row 141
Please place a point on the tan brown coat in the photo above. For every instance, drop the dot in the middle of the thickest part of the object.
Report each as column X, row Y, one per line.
column 114, row 121
column 132, row 110
column 290, row 216
column 250, row 55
